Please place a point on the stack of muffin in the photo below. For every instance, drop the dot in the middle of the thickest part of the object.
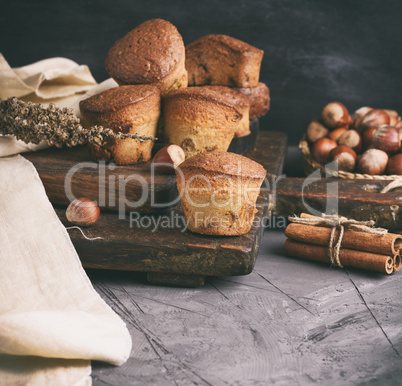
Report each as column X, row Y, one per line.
column 153, row 69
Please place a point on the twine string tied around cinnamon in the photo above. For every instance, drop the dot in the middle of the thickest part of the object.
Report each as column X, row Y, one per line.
column 338, row 223
column 397, row 183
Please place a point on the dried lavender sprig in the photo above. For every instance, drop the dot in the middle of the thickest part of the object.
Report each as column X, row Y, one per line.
column 32, row 122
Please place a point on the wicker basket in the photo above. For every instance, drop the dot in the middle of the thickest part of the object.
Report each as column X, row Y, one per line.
column 310, row 166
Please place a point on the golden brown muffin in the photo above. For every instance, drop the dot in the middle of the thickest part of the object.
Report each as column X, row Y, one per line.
column 152, row 53
column 223, row 60
column 241, row 102
column 199, row 119
column 259, row 99
column 219, row 191
column 125, row 109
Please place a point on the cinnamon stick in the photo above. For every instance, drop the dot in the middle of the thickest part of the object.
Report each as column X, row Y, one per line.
column 397, row 262
column 388, row 244
column 347, row 257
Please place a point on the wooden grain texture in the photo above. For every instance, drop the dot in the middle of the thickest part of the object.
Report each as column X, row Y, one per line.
column 289, row 322
column 101, row 182
column 358, row 199
column 172, row 249
column 270, row 152
column 162, row 246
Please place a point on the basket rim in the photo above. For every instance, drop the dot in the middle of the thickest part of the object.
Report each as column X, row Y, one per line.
column 307, row 157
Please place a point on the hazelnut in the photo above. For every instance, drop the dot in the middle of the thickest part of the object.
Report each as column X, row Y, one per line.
column 367, row 138
column 359, row 114
column 321, row 148
column 350, row 121
column 392, row 113
column 386, row 138
column 373, row 162
column 393, row 116
column 334, row 115
column 393, row 120
column 316, row 130
column 82, row 212
column 351, row 138
column 395, row 165
column 167, row 159
column 345, row 157
column 335, row 134
column 374, row 118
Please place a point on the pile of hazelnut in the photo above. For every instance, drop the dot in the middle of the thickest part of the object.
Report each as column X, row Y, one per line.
column 368, row 142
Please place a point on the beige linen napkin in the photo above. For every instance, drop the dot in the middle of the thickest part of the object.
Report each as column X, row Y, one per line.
column 52, row 321
column 48, row 79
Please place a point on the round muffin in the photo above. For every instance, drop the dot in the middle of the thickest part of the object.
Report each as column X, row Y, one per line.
column 241, row 102
column 219, row 191
column 199, row 119
column 124, row 109
column 259, row 99
column 152, row 53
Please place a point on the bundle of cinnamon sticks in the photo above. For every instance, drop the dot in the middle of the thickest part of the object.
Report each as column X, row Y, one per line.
column 358, row 249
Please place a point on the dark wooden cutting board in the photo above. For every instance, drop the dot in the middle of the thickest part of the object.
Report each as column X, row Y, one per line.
column 170, row 255
column 357, row 199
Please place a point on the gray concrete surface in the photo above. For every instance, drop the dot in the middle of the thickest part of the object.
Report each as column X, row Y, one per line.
column 289, row 322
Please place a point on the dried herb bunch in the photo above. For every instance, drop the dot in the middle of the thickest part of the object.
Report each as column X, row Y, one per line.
column 32, row 122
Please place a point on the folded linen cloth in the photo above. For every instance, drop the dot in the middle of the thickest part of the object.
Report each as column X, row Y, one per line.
column 52, row 321
column 48, row 79
column 56, row 80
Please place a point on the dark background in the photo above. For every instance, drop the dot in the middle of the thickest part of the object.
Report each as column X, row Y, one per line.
column 316, row 51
